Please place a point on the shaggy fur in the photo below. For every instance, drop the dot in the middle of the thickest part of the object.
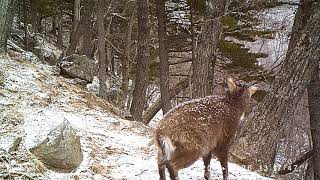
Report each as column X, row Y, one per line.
column 201, row 128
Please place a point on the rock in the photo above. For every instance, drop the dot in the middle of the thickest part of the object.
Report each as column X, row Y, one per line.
column 9, row 114
column 78, row 67
column 61, row 150
column 9, row 142
column 78, row 81
column 115, row 96
column 45, row 55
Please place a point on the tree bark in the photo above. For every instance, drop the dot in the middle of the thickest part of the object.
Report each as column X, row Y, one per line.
column 139, row 92
column 125, row 58
column 163, row 56
column 86, row 27
column 206, row 47
column 76, row 14
column 6, row 17
column 314, row 111
column 75, row 33
column 263, row 127
column 26, row 20
column 300, row 21
column 101, row 50
column 60, row 30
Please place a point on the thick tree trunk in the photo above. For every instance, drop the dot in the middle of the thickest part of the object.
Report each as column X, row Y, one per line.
column 86, row 27
column 125, row 58
column 141, row 81
column 206, row 47
column 300, row 21
column 6, row 17
column 263, row 127
column 314, row 111
column 164, row 56
column 101, row 49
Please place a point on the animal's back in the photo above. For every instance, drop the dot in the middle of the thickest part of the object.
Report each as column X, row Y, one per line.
column 197, row 124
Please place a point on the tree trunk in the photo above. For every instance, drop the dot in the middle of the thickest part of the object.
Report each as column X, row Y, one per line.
column 163, row 56
column 26, row 20
column 300, row 21
column 6, row 17
column 314, row 111
column 109, row 48
column 60, row 29
column 76, row 14
column 75, row 32
column 139, row 92
column 101, row 49
column 34, row 19
column 86, row 27
column 125, row 58
column 263, row 127
column 206, row 47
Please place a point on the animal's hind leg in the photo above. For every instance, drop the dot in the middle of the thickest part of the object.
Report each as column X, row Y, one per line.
column 162, row 171
column 223, row 158
column 172, row 172
column 161, row 166
column 206, row 162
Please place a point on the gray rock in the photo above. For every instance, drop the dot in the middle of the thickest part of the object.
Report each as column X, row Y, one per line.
column 45, row 56
column 77, row 66
column 9, row 142
column 61, row 150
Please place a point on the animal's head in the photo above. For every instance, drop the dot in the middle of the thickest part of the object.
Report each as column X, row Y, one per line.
column 240, row 91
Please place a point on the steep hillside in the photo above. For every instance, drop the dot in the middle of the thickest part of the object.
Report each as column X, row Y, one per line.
column 34, row 100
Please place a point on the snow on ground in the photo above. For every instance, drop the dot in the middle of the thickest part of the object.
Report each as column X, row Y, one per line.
column 113, row 148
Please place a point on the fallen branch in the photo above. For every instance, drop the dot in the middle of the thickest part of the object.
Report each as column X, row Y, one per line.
column 152, row 111
column 296, row 163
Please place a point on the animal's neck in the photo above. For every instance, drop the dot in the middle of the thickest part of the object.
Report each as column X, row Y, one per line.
column 238, row 103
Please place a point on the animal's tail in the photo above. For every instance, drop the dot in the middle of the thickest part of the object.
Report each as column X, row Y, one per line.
column 166, row 147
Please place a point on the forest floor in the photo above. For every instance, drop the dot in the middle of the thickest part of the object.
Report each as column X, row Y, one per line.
column 34, row 100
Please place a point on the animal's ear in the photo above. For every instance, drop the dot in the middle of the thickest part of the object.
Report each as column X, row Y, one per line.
column 252, row 90
column 231, row 85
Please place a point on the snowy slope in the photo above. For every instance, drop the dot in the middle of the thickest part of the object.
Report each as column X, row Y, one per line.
column 113, row 148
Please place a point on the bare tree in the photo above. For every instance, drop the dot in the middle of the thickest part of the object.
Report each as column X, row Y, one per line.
column 141, row 81
column 126, row 56
column 101, row 49
column 163, row 55
column 205, row 48
column 264, row 125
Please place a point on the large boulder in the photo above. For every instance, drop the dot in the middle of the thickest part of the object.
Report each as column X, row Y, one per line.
column 46, row 55
column 61, row 150
column 77, row 66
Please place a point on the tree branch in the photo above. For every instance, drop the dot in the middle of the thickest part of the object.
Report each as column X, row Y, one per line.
column 296, row 163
